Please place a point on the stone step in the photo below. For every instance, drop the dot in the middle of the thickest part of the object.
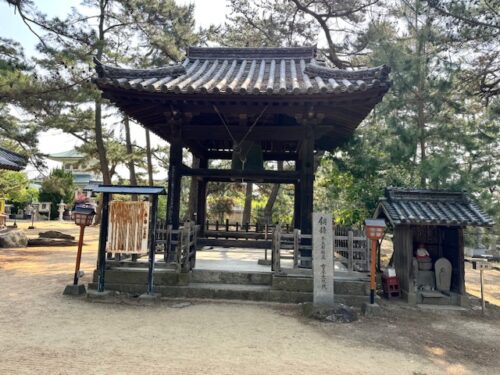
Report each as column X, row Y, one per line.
column 230, row 277
column 229, row 292
column 139, row 276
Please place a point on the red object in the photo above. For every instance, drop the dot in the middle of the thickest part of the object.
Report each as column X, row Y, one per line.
column 424, row 258
column 390, row 286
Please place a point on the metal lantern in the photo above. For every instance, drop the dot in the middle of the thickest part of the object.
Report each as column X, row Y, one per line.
column 374, row 228
column 83, row 215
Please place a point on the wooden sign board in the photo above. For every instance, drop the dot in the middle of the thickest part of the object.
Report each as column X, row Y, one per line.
column 481, row 265
column 128, row 227
column 322, row 254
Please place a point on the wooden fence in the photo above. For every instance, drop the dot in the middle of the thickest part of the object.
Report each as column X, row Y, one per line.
column 178, row 246
column 351, row 249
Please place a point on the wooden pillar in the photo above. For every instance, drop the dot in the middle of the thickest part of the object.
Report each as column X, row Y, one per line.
column 174, row 188
column 103, row 238
column 152, row 243
column 296, row 196
column 201, row 201
column 174, row 183
column 296, row 206
column 306, row 157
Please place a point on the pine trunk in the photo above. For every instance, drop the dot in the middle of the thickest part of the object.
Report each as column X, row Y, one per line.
column 268, row 209
column 148, row 157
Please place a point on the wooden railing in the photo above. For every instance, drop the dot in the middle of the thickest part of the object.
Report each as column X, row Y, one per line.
column 226, row 226
column 350, row 249
column 179, row 245
column 289, row 246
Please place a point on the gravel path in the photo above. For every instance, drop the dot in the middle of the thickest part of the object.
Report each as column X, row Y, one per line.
column 43, row 332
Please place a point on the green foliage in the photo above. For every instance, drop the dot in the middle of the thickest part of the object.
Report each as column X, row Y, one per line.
column 56, row 187
column 16, row 188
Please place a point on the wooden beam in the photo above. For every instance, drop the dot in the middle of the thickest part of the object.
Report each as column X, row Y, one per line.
column 219, row 132
column 231, row 175
column 227, row 155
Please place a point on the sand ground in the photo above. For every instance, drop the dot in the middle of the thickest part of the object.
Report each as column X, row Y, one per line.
column 43, row 332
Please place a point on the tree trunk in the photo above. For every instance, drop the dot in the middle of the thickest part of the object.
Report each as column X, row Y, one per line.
column 268, row 209
column 148, row 157
column 101, row 148
column 130, row 153
column 247, row 210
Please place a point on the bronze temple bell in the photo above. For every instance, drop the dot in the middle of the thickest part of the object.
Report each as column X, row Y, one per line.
column 247, row 156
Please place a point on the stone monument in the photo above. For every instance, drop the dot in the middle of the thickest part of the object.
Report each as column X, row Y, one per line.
column 322, row 243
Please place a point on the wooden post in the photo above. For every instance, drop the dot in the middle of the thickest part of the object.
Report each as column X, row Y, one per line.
column 152, row 243
column 306, row 157
column 350, row 245
column 296, row 205
column 103, row 238
column 373, row 271
column 201, row 202
column 483, row 305
column 306, row 183
column 174, row 188
column 79, row 255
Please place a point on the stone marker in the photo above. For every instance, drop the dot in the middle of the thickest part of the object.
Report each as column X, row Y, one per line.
column 322, row 259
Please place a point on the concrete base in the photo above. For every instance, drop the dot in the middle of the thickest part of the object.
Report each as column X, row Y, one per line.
column 149, row 299
column 371, row 309
column 74, row 290
column 103, row 297
column 264, row 262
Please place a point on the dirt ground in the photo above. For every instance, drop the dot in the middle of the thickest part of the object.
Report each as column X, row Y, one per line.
column 44, row 332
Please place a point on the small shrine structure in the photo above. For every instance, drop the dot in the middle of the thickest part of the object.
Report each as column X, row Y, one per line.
column 434, row 220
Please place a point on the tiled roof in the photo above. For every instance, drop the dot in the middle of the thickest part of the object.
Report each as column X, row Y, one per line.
column 282, row 71
column 11, row 160
column 70, row 154
column 430, row 207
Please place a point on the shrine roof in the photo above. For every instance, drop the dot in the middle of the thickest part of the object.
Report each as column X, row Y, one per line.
column 255, row 71
column 11, row 160
column 430, row 207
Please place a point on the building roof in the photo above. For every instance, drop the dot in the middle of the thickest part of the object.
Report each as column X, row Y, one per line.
column 256, row 71
column 124, row 189
column 430, row 207
column 284, row 91
column 69, row 154
column 11, row 160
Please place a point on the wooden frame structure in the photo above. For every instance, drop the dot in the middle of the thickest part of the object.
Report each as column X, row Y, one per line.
column 107, row 191
column 284, row 100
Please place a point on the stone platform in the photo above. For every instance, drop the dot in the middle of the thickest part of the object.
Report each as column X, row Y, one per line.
column 232, row 275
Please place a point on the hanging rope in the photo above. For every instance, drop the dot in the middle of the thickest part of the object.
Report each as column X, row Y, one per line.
column 237, row 145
